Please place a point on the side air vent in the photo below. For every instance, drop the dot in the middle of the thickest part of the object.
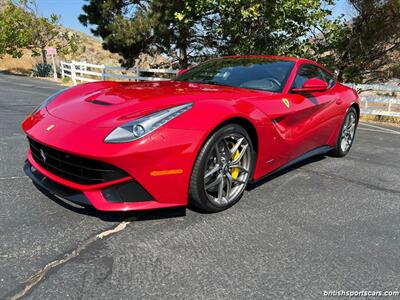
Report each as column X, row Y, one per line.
column 99, row 102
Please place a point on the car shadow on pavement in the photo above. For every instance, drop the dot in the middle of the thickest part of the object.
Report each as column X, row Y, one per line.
column 267, row 178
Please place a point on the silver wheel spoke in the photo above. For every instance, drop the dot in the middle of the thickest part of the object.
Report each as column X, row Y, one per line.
column 244, row 149
column 228, row 185
column 212, row 171
column 221, row 190
column 235, row 180
column 242, row 169
column 214, row 183
column 343, row 144
column 239, row 181
column 236, row 147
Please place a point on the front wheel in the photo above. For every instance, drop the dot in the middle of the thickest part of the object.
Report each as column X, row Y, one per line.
column 222, row 169
column 346, row 135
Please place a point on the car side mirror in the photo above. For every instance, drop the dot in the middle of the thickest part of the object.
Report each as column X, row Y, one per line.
column 182, row 71
column 312, row 85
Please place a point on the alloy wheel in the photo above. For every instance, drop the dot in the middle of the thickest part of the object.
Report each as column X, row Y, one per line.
column 348, row 132
column 227, row 169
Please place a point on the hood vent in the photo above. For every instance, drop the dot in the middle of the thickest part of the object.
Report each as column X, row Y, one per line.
column 99, row 102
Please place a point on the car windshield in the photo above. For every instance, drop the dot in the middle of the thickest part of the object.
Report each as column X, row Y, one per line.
column 252, row 73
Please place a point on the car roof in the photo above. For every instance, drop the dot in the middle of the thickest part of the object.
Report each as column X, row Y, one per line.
column 294, row 59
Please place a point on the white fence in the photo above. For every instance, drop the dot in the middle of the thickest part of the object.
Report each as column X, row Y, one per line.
column 381, row 99
column 85, row 72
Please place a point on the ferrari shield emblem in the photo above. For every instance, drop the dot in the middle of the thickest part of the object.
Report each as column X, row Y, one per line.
column 286, row 102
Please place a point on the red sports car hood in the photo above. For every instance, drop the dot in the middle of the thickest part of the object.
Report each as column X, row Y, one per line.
column 107, row 104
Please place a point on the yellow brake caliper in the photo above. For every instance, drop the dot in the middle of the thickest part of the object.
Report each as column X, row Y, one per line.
column 235, row 171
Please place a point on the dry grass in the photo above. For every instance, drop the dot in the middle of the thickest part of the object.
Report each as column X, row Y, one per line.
column 91, row 52
column 21, row 65
column 383, row 120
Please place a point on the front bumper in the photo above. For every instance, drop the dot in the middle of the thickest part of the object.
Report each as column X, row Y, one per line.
column 146, row 162
column 119, row 195
column 53, row 188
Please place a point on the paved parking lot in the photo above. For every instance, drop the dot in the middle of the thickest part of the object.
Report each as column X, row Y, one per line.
column 327, row 224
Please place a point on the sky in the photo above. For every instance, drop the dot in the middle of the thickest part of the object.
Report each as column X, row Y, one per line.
column 69, row 10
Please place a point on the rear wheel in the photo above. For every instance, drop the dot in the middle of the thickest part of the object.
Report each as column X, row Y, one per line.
column 346, row 135
column 222, row 169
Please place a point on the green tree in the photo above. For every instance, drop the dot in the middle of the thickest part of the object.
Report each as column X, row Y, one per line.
column 141, row 26
column 21, row 28
column 47, row 32
column 15, row 33
column 255, row 27
column 190, row 29
column 368, row 46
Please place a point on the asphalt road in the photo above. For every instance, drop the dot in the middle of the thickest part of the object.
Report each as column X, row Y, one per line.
column 327, row 224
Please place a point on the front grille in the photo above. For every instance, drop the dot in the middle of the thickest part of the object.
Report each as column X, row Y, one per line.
column 72, row 167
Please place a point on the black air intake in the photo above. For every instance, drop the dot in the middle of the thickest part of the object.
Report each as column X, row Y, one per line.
column 74, row 168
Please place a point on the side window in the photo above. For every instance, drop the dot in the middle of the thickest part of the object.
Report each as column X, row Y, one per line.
column 329, row 79
column 305, row 73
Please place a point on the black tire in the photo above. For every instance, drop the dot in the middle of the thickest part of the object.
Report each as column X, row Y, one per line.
column 338, row 151
column 197, row 190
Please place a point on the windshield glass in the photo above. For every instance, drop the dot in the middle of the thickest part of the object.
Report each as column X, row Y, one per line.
column 252, row 73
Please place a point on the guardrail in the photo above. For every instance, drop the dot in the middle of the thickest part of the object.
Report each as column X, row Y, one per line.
column 86, row 72
column 377, row 104
column 372, row 104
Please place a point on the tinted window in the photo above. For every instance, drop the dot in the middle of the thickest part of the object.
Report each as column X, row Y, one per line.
column 329, row 79
column 252, row 73
column 307, row 72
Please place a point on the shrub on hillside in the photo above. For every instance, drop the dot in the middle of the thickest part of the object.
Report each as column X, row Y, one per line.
column 42, row 70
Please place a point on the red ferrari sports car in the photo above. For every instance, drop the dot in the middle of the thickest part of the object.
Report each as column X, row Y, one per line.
column 199, row 138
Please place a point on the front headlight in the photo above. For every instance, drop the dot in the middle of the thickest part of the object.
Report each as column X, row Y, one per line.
column 138, row 128
column 48, row 100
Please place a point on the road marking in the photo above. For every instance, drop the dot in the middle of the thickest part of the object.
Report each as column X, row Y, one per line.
column 382, row 128
column 375, row 130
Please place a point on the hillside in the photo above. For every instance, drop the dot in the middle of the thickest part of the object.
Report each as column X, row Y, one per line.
column 90, row 51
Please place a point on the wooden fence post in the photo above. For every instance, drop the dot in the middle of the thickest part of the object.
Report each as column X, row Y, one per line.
column 62, row 69
column 73, row 72
column 137, row 73
column 103, row 72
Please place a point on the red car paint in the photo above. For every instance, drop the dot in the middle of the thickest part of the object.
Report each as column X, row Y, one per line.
column 78, row 127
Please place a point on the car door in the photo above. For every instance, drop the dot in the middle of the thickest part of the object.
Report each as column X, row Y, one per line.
column 310, row 122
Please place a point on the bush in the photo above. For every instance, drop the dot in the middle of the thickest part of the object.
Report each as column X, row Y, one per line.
column 66, row 80
column 396, row 71
column 42, row 70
